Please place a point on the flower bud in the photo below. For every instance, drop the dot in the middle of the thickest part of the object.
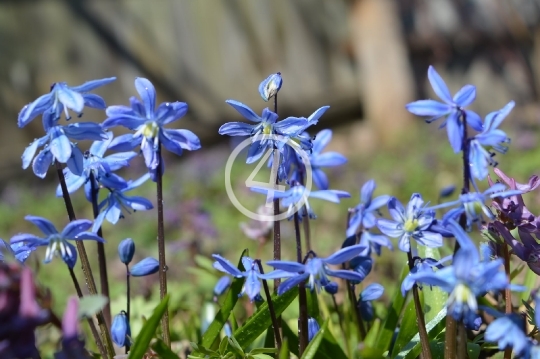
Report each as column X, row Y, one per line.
column 313, row 328
column 331, row 288
column 361, row 265
column 145, row 267
column 270, row 86
column 126, row 250
column 120, row 330
column 221, row 286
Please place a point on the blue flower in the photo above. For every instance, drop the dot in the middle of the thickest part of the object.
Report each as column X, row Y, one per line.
column 507, row 332
column 111, row 208
column 313, row 328
column 148, row 122
column 266, row 128
column 270, row 86
column 58, row 145
column 318, row 160
column 94, row 163
column 370, row 293
column 361, row 265
column 421, row 265
column 363, row 214
column 413, row 222
column 120, row 330
column 57, row 243
column 62, row 97
column 453, row 108
column 252, row 285
column 473, row 204
column 144, row 267
column 467, row 278
column 316, row 270
column 296, row 198
column 480, row 158
column 126, row 250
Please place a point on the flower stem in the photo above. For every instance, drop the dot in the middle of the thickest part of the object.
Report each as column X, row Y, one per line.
column 302, row 298
column 507, row 294
column 85, row 263
column 275, row 326
column 102, row 261
column 128, row 300
column 161, row 249
column 424, row 339
column 91, row 323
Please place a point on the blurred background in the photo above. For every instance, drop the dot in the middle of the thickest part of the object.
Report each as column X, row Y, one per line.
column 364, row 58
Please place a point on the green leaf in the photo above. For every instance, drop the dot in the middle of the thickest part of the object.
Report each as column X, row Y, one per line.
column 529, row 283
column 203, row 350
column 223, row 345
column 284, row 352
column 212, row 333
column 163, row 350
column 371, row 335
column 260, row 321
column 262, row 356
column 263, row 350
column 390, row 323
column 434, row 327
column 314, row 344
column 437, row 350
column 236, row 347
column 408, row 328
column 91, row 304
column 434, row 298
column 148, row 330
column 327, row 350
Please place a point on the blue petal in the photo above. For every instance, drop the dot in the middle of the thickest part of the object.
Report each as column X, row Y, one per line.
column 85, row 131
column 138, row 203
column 378, row 202
column 93, row 84
column 170, row 112
column 76, row 227
column 94, row 101
column 59, row 146
column 98, row 148
column 225, row 266
column 345, row 274
column 478, row 161
column 244, row 110
column 236, row 129
column 439, row 86
column 124, row 143
column 474, row 120
column 372, row 292
column 186, row 138
column 256, row 150
column 30, row 151
column 136, row 183
column 390, row 228
column 29, row 239
column 43, row 224
column 277, row 274
column 252, row 285
column 76, row 162
column 367, row 191
column 292, row 282
column 326, row 195
column 345, row 254
column 396, row 210
column 430, row 108
column 270, row 86
column 69, row 98
column 329, row 159
column 322, row 139
column 430, row 239
column 465, row 96
column 90, row 236
column 148, row 95
column 120, row 330
column 320, row 179
column 113, row 213
column 119, row 160
column 113, row 181
column 314, row 117
column 151, row 159
column 42, row 162
column 287, row 266
column 30, row 111
column 145, row 267
column 98, row 222
column 291, row 126
column 128, row 121
column 455, row 131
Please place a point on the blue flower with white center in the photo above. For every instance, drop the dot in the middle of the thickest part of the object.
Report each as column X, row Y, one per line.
column 316, row 270
column 57, row 242
column 411, row 222
column 467, row 278
column 270, row 86
column 148, row 123
column 263, row 133
column 100, row 167
column 481, row 158
column 452, row 107
column 363, row 214
column 58, row 145
column 372, row 292
column 112, row 208
column 507, row 332
column 61, row 98
column 252, row 285
column 473, row 204
column 319, row 160
column 298, row 196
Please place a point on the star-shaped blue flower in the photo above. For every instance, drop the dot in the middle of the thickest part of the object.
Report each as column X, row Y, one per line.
column 411, row 222
column 479, row 158
column 57, row 242
column 316, row 270
column 363, row 214
column 452, row 107
column 148, row 124
column 61, row 98
column 100, row 167
column 112, row 207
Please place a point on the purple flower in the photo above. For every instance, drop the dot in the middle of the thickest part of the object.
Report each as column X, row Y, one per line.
column 452, row 107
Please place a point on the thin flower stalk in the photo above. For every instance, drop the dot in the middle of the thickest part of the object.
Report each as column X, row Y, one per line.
column 302, row 298
column 275, row 326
